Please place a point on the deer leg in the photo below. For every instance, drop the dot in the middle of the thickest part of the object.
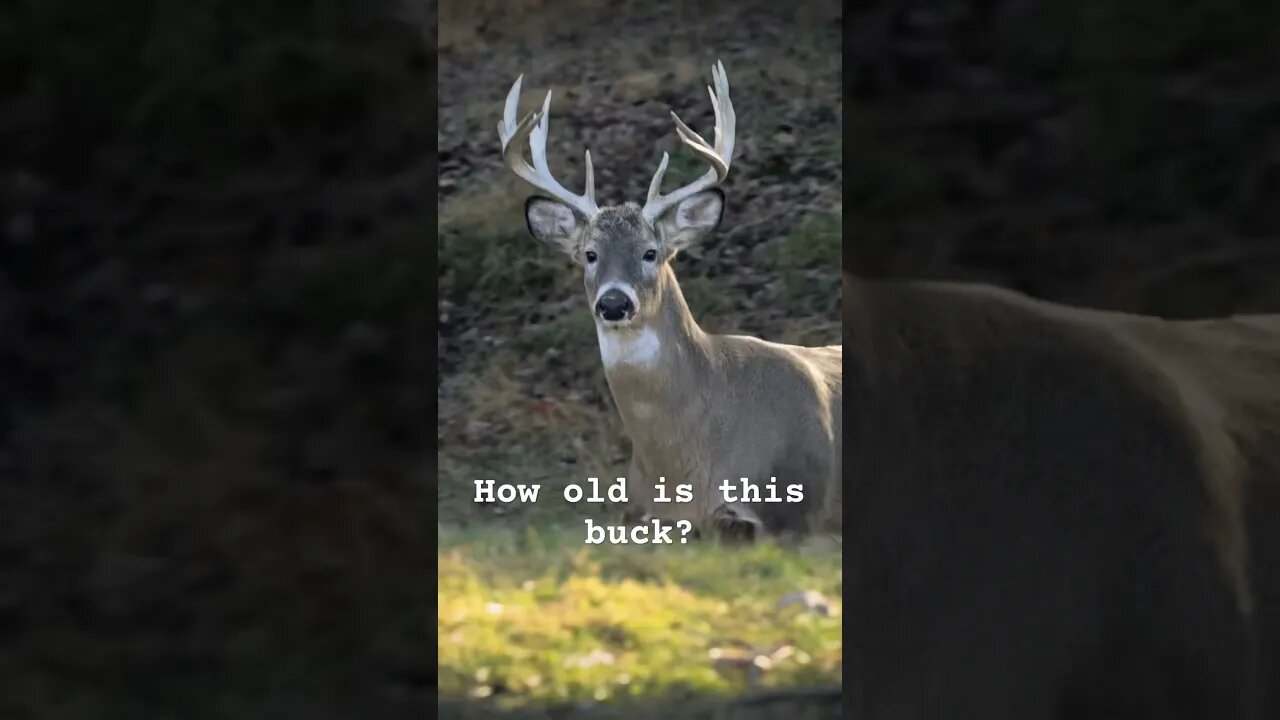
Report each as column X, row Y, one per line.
column 737, row 523
column 640, row 507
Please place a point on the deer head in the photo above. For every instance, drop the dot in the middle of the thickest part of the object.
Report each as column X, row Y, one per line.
column 621, row 248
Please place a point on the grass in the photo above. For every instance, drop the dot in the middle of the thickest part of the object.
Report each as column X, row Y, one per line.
column 815, row 244
column 571, row 328
column 682, row 166
column 485, row 250
column 537, row 617
column 707, row 299
column 808, row 260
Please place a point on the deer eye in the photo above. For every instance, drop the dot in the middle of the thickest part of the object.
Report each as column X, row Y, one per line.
column 650, row 255
column 591, row 256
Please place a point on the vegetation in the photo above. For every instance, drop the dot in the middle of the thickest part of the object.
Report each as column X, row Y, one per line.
column 540, row 616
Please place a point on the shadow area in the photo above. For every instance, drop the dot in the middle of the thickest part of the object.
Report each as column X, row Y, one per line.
column 817, row 703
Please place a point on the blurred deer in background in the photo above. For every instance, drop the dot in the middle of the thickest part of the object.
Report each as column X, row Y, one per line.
column 1057, row 512
column 699, row 408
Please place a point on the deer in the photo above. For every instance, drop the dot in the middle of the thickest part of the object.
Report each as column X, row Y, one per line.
column 1058, row 512
column 701, row 409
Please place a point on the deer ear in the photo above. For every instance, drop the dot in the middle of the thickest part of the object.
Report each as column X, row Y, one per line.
column 551, row 223
column 692, row 218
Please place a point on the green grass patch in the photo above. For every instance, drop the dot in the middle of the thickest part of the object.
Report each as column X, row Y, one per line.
column 828, row 148
column 813, row 245
column 683, row 167
column 809, row 262
column 493, row 264
column 574, row 328
column 538, row 617
column 485, row 248
column 706, row 298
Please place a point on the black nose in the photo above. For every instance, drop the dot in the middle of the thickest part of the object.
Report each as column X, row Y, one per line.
column 614, row 305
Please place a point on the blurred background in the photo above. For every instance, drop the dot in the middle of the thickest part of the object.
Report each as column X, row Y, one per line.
column 215, row 262
column 214, row 384
column 1110, row 154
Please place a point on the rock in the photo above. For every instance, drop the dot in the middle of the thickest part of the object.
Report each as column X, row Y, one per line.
column 809, row 600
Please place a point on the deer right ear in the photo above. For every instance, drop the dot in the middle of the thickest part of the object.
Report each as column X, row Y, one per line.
column 551, row 223
column 692, row 218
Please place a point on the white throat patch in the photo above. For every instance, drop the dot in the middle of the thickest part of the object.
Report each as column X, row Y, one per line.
column 622, row 346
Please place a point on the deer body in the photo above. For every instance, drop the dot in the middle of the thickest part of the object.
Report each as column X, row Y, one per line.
column 1059, row 513
column 700, row 409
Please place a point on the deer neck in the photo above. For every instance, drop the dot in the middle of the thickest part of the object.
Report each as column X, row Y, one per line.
column 656, row 364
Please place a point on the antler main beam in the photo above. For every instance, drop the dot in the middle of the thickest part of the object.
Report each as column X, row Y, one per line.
column 533, row 128
column 719, row 155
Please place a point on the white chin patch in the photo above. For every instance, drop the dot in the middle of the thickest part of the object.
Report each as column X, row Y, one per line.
column 623, row 346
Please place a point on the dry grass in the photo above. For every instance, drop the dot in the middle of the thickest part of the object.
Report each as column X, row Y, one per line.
column 491, row 205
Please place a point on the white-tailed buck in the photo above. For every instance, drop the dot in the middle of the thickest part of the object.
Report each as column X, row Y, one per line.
column 700, row 408
column 1058, row 513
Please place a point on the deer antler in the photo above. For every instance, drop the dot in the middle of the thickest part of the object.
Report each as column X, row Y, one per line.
column 534, row 128
column 719, row 156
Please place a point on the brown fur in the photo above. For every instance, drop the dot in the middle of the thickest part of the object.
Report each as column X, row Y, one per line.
column 1056, row 512
column 727, row 407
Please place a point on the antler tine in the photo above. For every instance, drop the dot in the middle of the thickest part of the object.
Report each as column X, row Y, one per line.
column 506, row 126
column 719, row 156
column 656, row 183
column 538, row 137
column 534, row 129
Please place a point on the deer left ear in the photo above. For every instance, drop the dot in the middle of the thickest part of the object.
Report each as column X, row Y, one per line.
column 693, row 218
column 552, row 223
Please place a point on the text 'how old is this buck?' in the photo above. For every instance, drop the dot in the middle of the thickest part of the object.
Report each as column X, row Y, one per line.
column 699, row 408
